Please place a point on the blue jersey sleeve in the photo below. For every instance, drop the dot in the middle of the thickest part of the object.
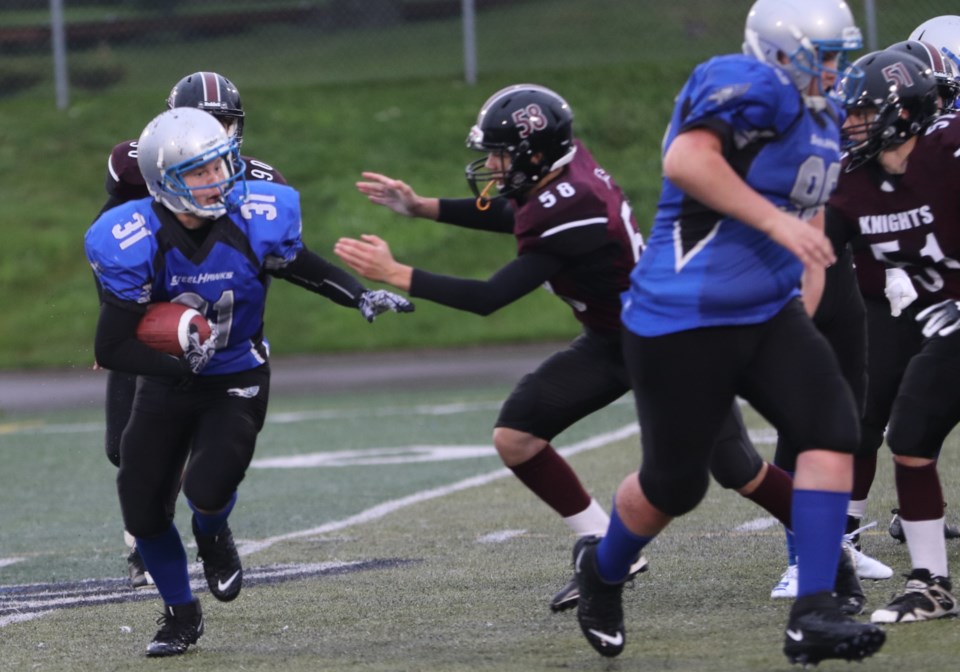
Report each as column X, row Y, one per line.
column 120, row 246
column 741, row 93
column 272, row 212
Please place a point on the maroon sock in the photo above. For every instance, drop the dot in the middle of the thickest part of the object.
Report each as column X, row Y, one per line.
column 775, row 494
column 918, row 492
column 864, row 469
column 551, row 479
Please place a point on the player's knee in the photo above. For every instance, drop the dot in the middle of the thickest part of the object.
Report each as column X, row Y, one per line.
column 913, row 439
column 515, row 447
column 734, row 474
column 676, row 493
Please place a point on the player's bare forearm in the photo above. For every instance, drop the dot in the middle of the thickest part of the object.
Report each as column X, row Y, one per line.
column 371, row 258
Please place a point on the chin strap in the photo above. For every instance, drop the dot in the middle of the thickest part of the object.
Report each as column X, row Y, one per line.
column 483, row 203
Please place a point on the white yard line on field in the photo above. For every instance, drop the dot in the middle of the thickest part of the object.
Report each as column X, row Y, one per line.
column 28, row 607
column 386, row 508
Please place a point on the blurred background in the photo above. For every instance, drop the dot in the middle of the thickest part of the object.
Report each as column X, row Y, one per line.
column 331, row 88
column 138, row 43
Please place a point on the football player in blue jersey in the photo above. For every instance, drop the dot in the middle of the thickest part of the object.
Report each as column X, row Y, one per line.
column 219, row 96
column 576, row 235
column 210, row 240
column 714, row 311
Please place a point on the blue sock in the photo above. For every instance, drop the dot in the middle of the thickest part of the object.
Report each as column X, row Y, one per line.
column 819, row 520
column 618, row 549
column 166, row 560
column 211, row 523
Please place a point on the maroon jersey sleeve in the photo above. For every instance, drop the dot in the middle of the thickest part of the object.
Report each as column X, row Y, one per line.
column 124, row 181
column 255, row 169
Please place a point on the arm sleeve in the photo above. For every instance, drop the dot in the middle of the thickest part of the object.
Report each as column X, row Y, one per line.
column 498, row 218
column 116, row 346
column 311, row 271
column 836, row 229
column 516, row 279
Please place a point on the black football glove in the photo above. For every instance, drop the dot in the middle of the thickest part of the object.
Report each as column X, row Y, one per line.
column 198, row 354
column 376, row 301
column 940, row 319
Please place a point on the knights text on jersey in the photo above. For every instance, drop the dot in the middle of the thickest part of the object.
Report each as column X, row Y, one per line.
column 583, row 217
column 125, row 183
column 908, row 221
column 141, row 257
column 702, row 268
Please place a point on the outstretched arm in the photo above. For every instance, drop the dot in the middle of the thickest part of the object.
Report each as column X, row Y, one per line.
column 398, row 196
column 403, row 200
column 371, row 258
column 311, row 271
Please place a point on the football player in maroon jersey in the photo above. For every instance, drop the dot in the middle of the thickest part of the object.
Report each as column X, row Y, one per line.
column 895, row 208
column 937, row 55
column 577, row 236
column 217, row 95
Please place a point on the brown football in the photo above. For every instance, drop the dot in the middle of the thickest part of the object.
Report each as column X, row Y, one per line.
column 166, row 326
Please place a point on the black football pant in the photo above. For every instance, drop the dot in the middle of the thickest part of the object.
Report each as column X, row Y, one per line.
column 210, row 426
column 686, row 382
column 590, row 374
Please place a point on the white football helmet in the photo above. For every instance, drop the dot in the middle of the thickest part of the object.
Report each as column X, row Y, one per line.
column 943, row 32
column 802, row 31
column 183, row 139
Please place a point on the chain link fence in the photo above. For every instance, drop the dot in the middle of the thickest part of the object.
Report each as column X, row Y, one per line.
column 148, row 44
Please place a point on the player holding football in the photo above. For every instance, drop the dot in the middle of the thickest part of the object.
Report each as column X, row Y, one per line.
column 751, row 155
column 217, row 95
column 895, row 205
column 576, row 235
column 210, row 240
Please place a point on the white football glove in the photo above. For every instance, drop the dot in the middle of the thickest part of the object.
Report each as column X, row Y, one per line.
column 376, row 301
column 940, row 319
column 899, row 290
column 198, row 354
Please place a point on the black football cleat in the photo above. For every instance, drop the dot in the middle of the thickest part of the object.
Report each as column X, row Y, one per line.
column 566, row 597
column 221, row 562
column 600, row 605
column 925, row 598
column 819, row 630
column 180, row 626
